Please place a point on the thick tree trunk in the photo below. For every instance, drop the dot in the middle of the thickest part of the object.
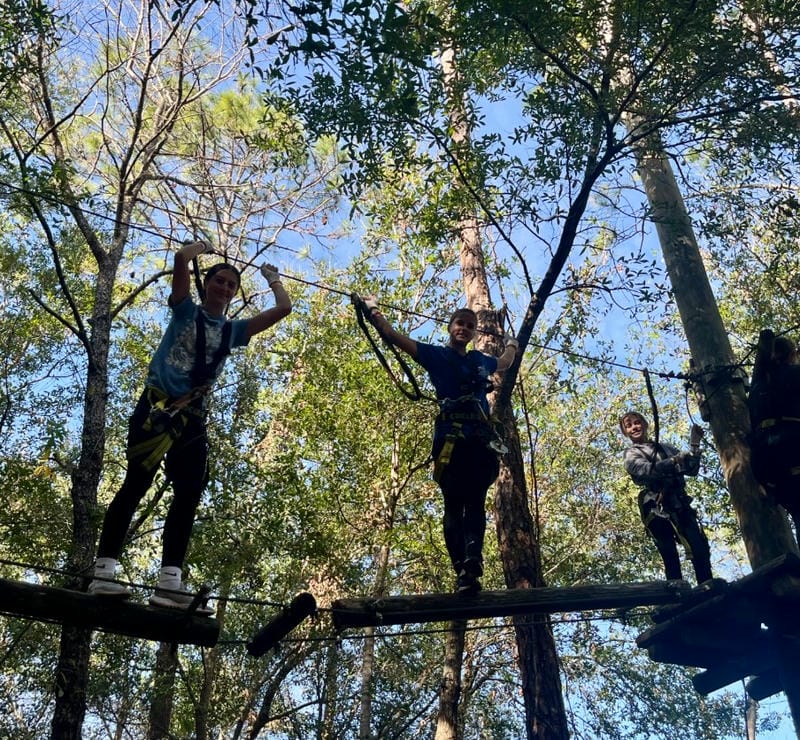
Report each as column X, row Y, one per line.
column 447, row 724
column 765, row 529
column 330, row 698
column 163, row 690
column 518, row 539
column 519, row 546
column 72, row 675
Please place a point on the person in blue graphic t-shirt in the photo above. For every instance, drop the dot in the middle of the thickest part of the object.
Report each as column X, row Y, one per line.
column 168, row 422
column 465, row 464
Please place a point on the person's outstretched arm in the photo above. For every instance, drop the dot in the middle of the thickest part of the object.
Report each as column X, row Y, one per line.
column 378, row 320
column 505, row 360
column 181, row 280
column 281, row 309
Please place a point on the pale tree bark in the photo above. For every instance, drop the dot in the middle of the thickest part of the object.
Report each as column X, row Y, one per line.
column 448, row 726
column 765, row 529
column 516, row 530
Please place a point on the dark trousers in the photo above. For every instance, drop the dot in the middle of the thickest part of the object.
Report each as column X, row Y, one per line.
column 186, row 469
column 464, row 482
column 682, row 525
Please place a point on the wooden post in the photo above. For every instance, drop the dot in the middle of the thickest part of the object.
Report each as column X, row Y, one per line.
column 303, row 605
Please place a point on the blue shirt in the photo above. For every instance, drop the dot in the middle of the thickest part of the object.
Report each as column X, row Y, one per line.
column 455, row 376
column 171, row 367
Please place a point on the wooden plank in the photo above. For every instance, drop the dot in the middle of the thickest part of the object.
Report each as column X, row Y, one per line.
column 698, row 596
column 704, row 649
column 420, row 608
column 108, row 614
column 709, row 623
column 725, row 673
column 303, row 605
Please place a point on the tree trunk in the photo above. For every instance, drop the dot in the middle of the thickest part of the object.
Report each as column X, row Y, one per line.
column 447, row 724
column 330, row 697
column 764, row 526
column 546, row 717
column 72, row 676
column 518, row 539
column 163, row 690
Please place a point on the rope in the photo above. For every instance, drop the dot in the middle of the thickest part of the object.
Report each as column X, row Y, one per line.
column 653, row 405
column 416, row 394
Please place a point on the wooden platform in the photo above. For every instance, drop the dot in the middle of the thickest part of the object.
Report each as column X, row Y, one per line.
column 123, row 617
column 548, row 600
column 736, row 631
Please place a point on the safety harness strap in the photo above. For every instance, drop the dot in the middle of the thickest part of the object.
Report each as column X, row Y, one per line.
column 202, row 372
column 166, row 421
column 461, row 416
column 767, row 423
column 415, row 394
column 443, row 459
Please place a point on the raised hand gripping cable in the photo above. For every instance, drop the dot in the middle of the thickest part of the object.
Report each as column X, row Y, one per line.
column 362, row 312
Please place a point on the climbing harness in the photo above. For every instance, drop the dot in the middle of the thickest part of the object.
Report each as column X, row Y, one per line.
column 167, row 418
column 457, row 416
column 494, row 442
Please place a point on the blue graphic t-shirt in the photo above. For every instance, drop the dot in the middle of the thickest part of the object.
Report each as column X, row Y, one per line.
column 455, row 376
column 171, row 367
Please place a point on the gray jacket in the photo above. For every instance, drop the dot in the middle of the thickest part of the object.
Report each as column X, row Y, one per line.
column 655, row 471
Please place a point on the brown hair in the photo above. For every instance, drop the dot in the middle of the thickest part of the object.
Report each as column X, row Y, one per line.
column 219, row 267
column 466, row 312
column 631, row 413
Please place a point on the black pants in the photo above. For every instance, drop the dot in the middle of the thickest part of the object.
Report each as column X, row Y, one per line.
column 185, row 467
column 464, row 482
column 681, row 525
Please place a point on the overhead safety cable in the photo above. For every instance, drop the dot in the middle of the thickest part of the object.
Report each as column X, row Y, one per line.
column 249, row 263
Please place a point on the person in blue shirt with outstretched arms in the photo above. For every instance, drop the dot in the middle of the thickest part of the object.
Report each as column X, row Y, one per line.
column 169, row 420
column 464, row 442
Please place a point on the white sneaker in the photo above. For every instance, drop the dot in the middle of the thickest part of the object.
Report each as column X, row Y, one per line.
column 104, row 587
column 179, row 598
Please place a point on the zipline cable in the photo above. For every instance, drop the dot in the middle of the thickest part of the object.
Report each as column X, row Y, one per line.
column 249, row 263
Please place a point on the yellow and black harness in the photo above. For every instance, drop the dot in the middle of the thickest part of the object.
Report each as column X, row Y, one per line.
column 167, row 417
column 457, row 419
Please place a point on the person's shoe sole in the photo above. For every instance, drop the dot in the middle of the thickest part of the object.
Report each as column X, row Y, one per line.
column 111, row 591
column 167, row 603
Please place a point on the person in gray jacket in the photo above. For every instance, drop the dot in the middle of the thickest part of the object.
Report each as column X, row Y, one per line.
column 659, row 470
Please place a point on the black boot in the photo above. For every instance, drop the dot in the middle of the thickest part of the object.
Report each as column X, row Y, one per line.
column 467, row 584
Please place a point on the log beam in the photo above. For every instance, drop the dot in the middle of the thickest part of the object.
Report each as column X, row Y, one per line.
column 303, row 605
column 107, row 614
column 419, row 608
